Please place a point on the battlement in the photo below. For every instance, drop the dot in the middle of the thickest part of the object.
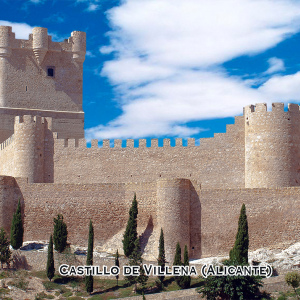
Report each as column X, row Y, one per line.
column 7, row 142
column 40, row 42
column 118, row 143
column 276, row 107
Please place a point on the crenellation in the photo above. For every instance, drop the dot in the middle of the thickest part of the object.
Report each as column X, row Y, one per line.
column 191, row 142
column 178, row 142
column 118, row 144
column 142, row 143
column 278, row 107
column 260, row 107
column 106, row 144
column 292, row 107
column 94, row 144
column 130, row 143
column 154, row 143
column 166, row 143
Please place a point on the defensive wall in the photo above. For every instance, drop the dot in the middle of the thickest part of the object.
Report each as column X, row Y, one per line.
column 204, row 219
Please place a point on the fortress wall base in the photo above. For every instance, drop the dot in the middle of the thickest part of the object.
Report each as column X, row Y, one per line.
column 273, row 218
column 273, row 214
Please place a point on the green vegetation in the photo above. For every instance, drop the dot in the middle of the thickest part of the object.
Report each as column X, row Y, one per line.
column 50, row 260
column 161, row 255
column 293, row 279
column 185, row 280
column 5, row 253
column 239, row 253
column 17, row 231
column 177, row 261
column 130, row 234
column 60, row 234
column 117, row 264
column 234, row 287
column 89, row 260
column 135, row 259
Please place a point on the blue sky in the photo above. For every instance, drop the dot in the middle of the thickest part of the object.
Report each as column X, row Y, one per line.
column 173, row 68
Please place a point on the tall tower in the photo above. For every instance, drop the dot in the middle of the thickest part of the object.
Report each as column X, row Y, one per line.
column 44, row 78
column 272, row 146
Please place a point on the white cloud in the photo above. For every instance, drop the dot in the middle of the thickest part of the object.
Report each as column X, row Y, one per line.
column 22, row 30
column 93, row 7
column 275, row 65
column 168, row 61
column 282, row 88
column 37, row 1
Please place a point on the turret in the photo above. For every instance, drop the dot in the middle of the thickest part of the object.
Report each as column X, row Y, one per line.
column 272, row 146
column 6, row 38
column 78, row 46
column 40, row 43
column 173, row 210
column 29, row 148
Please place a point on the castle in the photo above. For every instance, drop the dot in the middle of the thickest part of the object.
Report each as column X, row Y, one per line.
column 193, row 192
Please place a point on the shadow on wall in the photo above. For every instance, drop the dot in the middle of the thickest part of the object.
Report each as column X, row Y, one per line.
column 195, row 221
column 144, row 237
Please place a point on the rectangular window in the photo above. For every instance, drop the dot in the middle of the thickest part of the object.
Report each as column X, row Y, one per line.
column 50, row 71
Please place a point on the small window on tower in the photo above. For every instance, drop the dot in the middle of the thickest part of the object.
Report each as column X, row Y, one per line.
column 50, row 71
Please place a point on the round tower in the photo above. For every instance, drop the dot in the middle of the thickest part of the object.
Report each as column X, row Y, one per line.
column 29, row 148
column 78, row 46
column 173, row 208
column 40, row 43
column 272, row 146
column 6, row 37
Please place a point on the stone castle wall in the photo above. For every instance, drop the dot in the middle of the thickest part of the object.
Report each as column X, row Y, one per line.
column 206, row 220
column 217, row 162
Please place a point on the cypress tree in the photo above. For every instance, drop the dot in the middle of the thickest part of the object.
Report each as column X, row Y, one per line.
column 161, row 255
column 50, row 260
column 60, row 234
column 130, row 235
column 5, row 253
column 89, row 281
column 135, row 259
column 239, row 253
column 117, row 263
column 177, row 261
column 16, row 230
column 185, row 281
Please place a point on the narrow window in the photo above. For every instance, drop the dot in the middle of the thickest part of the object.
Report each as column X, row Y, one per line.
column 26, row 88
column 50, row 71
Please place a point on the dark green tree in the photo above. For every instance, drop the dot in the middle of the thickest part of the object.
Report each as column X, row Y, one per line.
column 16, row 230
column 130, row 234
column 5, row 253
column 161, row 255
column 135, row 259
column 231, row 287
column 60, row 234
column 234, row 287
column 117, row 263
column 185, row 280
column 177, row 261
column 89, row 281
column 50, row 260
column 239, row 252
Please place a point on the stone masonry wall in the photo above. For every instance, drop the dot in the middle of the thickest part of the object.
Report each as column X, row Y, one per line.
column 273, row 218
column 217, row 162
column 272, row 213
column 272, row 146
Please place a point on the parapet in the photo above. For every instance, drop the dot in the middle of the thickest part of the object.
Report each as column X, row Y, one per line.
column 40, row 42
column 276, row 107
